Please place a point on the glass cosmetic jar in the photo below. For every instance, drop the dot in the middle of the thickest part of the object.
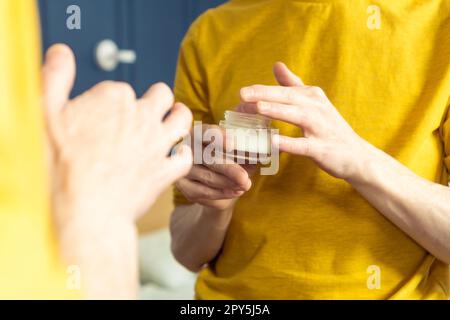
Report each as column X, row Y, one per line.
column 249, row 137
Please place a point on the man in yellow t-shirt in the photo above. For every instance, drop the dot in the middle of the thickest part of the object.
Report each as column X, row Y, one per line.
column 360, row 207
column 87, row 220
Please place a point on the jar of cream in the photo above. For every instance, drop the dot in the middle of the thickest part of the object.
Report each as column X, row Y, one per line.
column 249, row 136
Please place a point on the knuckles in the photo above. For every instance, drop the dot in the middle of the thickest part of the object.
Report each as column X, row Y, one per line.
column 208, row 176
column 316, row 92
column 125, row 90
column 291, row 93
column 161, row 88
column 186, row 115
column 257, row 91
column 307, row 148
column 118, row 91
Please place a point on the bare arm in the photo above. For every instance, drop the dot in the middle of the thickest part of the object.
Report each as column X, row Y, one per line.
column 198, row 230
column 104, row 251
column 107, row 152
column 198, row 233
column 418, row 207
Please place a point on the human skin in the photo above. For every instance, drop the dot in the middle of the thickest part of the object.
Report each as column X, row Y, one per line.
column 198, row 230
column 108, row 163
column 418, row 207
column 214, row 189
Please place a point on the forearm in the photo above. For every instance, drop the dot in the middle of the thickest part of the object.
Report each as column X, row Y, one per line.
column 105, row 251
column 198, row 233
column 418, row 207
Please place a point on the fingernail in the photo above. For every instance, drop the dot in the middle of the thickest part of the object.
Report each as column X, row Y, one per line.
column 276, row 140
column 247, row 93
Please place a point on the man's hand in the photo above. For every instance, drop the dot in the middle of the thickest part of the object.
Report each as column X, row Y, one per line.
column 418, row 207
column 216, row 186
column 198, row 230
column 109, row 162
column 109, row 148
column 327, row 137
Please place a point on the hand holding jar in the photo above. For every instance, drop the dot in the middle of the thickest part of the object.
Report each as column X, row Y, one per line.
column 217, row 184
column 328, row 139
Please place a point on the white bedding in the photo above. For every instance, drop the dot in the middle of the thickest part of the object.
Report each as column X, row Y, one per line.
column 161, row 276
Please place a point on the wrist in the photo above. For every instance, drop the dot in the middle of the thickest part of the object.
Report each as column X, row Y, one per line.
column 364, row 161
column 77, row 200
column 78, row 191
column 91, row 220
column 78, row 226
column 102, row 248
column 370, row 164
column 221, row 217
column 81, row 218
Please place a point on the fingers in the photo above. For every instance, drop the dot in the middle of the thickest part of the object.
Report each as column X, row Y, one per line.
column 58, row 77
column 179, row 164
column 234, row 172
column 158, row 102
column 249, row 108
column 178, row 123
column 278, row 94
column 298, row 146
column 211, row 179
column 297, row 115
column 218, row 204
column 158, row 99
column 195, row 191
column 115, row 92
column 303, row 95
column 210, row 131
column 285, row 76
column 215, row 135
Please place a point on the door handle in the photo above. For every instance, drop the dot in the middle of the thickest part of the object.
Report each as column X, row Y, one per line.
column 108, row 55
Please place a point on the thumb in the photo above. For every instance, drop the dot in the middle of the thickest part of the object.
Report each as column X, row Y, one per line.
column 58, row 77
column 286, row 77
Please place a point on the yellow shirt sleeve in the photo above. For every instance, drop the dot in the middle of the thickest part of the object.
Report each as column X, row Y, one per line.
column 29, row 262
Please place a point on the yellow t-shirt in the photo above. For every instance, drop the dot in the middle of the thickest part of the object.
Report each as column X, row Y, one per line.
column 302, row 234
column 29, row 263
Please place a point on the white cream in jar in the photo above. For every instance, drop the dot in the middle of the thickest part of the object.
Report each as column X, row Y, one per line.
column 249, row 136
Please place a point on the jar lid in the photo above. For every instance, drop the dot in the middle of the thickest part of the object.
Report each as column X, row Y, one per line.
column 247, row 120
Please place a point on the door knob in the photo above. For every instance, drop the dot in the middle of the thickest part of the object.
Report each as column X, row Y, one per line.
column 108, row 55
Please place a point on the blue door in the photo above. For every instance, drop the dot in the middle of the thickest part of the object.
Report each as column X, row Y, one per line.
column 151, row 29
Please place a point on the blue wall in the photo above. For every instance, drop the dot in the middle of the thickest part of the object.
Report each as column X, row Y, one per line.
column 153, row 28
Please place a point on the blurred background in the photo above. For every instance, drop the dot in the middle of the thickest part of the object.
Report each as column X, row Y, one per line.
column 136, row 41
